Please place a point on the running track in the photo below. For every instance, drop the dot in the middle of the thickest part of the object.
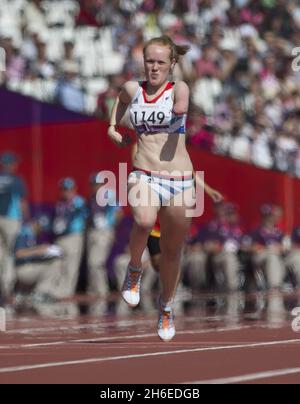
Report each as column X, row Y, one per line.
column 64, row 346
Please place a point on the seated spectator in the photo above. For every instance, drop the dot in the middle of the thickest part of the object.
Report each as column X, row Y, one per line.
column 15, row 63
column 69, row 226
column 103, row 221
column 41, row 67
column 68, row 92
column 217, row 243
column 106, row 99
column 206, row 65
column 89, row 13
column 34, row 14
column 36, row 266
column 287, row 147
column 267, row 246
column 293, row 258
column 13, row 209
column 230, row 236
column 260, row 149
column 69, row 55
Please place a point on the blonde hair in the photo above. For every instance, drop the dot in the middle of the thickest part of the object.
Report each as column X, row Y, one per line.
column 164, row 40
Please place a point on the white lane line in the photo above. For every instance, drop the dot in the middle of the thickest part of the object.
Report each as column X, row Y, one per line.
column 146, row 355
column 120, row 337
column 250, row 377
column 121, row 323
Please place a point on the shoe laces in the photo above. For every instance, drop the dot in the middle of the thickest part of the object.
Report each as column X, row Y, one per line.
column 133, row 280
column 165, row 319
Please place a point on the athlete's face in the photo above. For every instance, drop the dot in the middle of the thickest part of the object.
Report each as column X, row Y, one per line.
column 157, row 64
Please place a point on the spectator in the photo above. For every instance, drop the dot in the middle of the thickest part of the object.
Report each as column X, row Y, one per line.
column 36, row 264
column 34, row 15
column 106, row 99
column 260, row 150
column 69, row 54
column 217, row 243
column 15, row 63
column 286, row 148
column 230, row 238
column 103, row 221
column 41, row 67
column 13, row 208
column 68, row 92
column 293, row 258
column 89, row 13
column 200, row 131
column 69, row 226
column 267, row 246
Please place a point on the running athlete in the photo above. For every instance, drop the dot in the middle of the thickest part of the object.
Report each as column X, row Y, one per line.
column 157, row 109
column 154, row 237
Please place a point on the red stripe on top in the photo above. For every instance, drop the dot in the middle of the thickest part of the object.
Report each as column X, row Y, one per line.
column 144, row 86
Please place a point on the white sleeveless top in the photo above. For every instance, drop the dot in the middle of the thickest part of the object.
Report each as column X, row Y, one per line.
column 155, row 116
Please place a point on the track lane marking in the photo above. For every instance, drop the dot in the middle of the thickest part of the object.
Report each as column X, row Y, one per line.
column 21, row 368
column 249, row 377
column 121, row 337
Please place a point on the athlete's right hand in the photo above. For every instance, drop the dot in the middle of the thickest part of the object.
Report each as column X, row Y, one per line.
column 126, row 140
column 117, row 138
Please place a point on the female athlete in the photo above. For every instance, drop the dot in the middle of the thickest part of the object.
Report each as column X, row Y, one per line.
column 157, row 109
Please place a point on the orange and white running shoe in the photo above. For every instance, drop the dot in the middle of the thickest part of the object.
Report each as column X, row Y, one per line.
column 131, row 287
column 165, row 325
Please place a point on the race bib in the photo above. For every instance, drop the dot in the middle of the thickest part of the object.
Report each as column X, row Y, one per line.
column 150, row 118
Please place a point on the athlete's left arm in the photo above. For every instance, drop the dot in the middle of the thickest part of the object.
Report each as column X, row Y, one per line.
column 181, row 98
column 215, row 195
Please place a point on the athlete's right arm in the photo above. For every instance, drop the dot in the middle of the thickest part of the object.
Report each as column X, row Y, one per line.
column 119, row 109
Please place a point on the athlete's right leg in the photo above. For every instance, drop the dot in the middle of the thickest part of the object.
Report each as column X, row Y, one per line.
column 145, row 204
column 144, row 215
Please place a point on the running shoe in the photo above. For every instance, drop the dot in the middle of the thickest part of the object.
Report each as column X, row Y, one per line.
column 165, row 326
column 131, row 287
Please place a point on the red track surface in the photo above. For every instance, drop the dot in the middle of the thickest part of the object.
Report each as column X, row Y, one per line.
column 61, row 346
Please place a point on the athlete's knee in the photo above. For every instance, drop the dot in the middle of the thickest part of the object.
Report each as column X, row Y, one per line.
column 145, row 223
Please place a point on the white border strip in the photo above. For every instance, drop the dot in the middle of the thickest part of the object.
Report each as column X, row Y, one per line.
column 146, row 355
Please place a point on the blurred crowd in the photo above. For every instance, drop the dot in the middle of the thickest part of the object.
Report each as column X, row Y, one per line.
column 41, row 254
column 242, row 68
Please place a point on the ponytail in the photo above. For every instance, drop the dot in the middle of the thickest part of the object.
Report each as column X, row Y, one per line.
column 176, row 50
